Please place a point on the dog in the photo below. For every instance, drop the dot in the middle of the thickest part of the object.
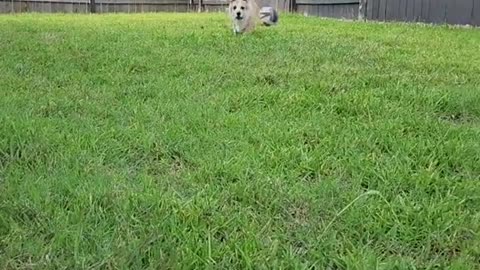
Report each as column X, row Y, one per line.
column 245, row 14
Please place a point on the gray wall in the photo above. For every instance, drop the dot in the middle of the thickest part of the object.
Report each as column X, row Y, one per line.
column 430, row 11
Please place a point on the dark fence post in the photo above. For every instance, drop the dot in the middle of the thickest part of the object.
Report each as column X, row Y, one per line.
column 292, row 6
column 191, row 5
column 93, row 8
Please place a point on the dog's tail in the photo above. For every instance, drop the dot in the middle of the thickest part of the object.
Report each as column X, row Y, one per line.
column 269, row 16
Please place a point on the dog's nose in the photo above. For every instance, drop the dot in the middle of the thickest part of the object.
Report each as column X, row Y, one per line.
column 238, row 14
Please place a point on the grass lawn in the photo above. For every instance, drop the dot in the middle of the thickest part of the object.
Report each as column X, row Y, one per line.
column 163, row 141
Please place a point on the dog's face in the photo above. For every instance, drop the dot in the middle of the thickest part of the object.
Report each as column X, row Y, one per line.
column 238, row 9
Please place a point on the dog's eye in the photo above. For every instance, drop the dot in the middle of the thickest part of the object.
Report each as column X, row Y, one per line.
column 234, row 7
column 242, row 8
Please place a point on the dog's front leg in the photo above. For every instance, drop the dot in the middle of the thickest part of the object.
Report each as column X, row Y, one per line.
column 236, row 30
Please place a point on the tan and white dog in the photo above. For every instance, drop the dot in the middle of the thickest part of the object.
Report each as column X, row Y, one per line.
column 244, row 15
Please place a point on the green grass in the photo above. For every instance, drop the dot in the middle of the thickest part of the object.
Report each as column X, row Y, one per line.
column 163, row 141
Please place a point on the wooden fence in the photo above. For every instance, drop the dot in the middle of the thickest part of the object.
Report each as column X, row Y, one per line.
column 347, row 9
column 98, row 6
column 328, row 8
column 130, row 6
column 430, row 11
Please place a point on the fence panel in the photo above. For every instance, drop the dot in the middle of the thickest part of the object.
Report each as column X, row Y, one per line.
column 380, row 9
column 476, row 13
column 346, row 9
column 430, row 11
column 100, row 6
column 438, row 11
column 457, row 10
